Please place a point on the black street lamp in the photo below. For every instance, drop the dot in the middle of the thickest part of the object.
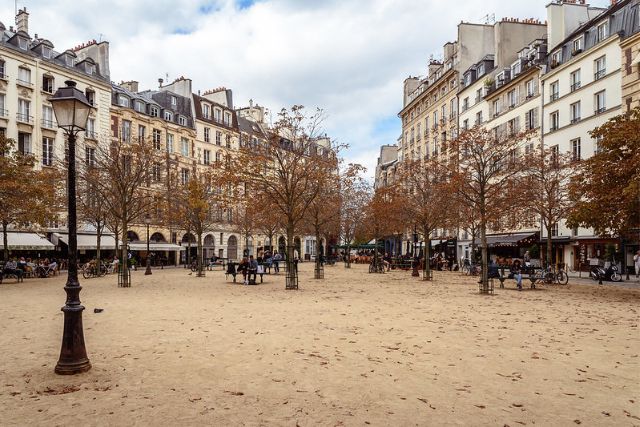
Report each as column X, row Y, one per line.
column 147, row 221
column 72, row 111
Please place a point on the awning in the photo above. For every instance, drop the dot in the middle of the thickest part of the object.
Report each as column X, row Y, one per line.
column 156, row 247
column 87, row 241
column 512, row 239
column 26, row 242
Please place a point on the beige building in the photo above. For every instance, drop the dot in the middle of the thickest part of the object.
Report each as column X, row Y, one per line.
column 630, row 47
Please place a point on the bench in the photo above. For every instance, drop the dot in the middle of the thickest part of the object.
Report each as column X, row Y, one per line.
column 212, row 265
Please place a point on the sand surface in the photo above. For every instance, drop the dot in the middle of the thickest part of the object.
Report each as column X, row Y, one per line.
column 353, row 349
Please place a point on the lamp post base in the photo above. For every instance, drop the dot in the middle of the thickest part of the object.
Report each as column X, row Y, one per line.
column 73, row 354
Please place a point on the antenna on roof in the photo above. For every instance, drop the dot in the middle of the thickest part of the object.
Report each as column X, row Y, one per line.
column 489, row 19
column 100, row 35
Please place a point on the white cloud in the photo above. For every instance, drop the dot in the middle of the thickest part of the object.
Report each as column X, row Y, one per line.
column 347, row 57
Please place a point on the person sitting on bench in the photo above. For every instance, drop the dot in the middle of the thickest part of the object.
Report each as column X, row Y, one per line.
column 11, row 268
column 252, row 271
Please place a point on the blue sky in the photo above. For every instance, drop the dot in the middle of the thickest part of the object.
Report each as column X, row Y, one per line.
column 348, row 57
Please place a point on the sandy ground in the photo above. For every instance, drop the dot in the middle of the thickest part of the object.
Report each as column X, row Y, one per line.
column 353, row 349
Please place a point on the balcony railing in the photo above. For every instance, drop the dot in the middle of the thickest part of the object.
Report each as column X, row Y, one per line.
column 554, row 96
column 599, row 110
column 90, row 134
column 599, row 74
column 575, row 120
column 4, row 113
column 24, row 83
column 3, row 75
column 575, row 86
column 24, row 118
column 48, row 124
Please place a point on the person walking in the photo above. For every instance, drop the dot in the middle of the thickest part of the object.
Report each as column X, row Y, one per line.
column 636, row 263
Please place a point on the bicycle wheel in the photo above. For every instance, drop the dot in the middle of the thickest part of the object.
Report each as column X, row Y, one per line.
column 562, row 278
column 103, row 270
column 86, row 273
column 549, row 277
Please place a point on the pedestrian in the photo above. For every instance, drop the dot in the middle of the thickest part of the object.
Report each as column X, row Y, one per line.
column 636, row 262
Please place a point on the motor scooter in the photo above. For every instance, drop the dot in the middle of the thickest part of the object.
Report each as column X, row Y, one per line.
column 611, row 274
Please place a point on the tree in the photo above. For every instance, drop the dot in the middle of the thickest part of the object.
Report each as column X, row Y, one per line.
column 125, row 171
column 545, row 190
column 606, row 188
column 199, row 198
column 382, row 217
column 26, row 195
column 284, row 170
column 93, row 208
column 485, row 167
column 355, row 193
column 426, row 197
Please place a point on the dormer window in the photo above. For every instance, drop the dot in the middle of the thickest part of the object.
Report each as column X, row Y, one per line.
column 168, row 116
column 227, row 118
column 577, row 46
column 139, row 106
column 68, row 59
column 23, row 43
column 154, row 111
column 90, row 68
column 602, row 31
column 182, row 121
column 206, row 111
column 46, row 52
column 123, row 101
column 481, row 70
column 174, row 101
column 217, row 115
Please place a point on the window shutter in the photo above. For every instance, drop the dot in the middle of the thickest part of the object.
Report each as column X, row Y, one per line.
column 536, row 118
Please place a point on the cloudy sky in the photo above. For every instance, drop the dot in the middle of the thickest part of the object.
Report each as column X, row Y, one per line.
column 348, row 57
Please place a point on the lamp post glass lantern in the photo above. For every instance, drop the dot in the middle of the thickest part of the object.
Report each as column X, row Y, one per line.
column 72, row 109
column 147, row 221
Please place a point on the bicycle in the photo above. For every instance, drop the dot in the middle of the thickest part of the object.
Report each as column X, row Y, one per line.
column 469, row 269
column 89, row 270
column 376, row 267
column 550, row 276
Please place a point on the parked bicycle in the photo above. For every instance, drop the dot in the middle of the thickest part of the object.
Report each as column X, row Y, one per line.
column 376, row 267
column 90, row 270
column 471, row 269
column 551, row 275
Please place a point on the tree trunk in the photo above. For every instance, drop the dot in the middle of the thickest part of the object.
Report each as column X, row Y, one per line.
column 292, row 270
column 347, row 259
column 5, row 241
column 549, row 247
column 98, row 239
column 316, row 274
column 427, row 248
column 199, row 259
column 124, row 260
column 485, row 257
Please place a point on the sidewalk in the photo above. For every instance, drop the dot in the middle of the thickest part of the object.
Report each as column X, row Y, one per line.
column 632, row 283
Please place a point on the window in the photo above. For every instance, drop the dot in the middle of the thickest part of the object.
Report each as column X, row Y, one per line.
column 168, row 116
column 554, row 230
column 435, row 119
column 207, row 135
column 599, row 102
column 554, row 121
column 218, row 138
column 139, row 106
column 516, row 68
column 90, row 156
column 575, row 112
column 47, row 151
column 575, row 149
column 182, row 121
column 478, row 95
column 3, row 73
column 184, row 176
column 444, row 113
column 577, row 46
column 206, row 111
column 47, row 84
column 511, row 98
column 600, row 67
column 228, row 140
column 3, row 103
column 125, row 133
column 174, row 101
column 454, row 108
column 169, row 143
column 465, row 124
column 206, row 157
column 184, row 147
column 230, row 215
column 156, row 172
column 217, row 115
column 465, row 104
column 46, row 52
column 555, row 91
column 24, row 143
column 496, row 108
column 142, row 133
column 555, row 153
column 602, row 32
column 47, row 117
column 90, row 132
column 479, row 118
column 24, row 111
column 531, row 88
column 513, row 127
column 156, row 138
column 218, row 157
column 419, row 135
column 24, row 76
column 555, row 59
column 596, row 144
column 155, row 111
column 123, row 101
column 575, row 80
column 531, row 118
column 91, row 96
column 310, row 247
column 227, row 118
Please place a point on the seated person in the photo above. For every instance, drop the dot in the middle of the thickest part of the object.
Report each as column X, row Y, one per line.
column 243, row 268
column 11, row 267
column 386, row 260
column 252, row 270
column 492, row 271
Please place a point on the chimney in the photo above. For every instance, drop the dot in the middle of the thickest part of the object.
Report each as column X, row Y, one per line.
column 131, row 86
column 160, row 81
column 22, row 21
